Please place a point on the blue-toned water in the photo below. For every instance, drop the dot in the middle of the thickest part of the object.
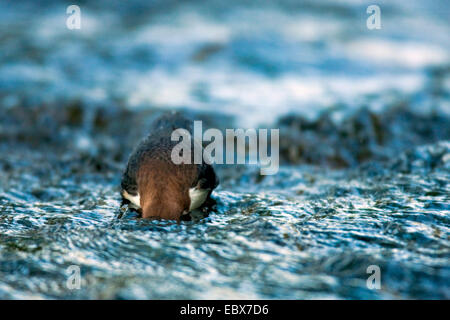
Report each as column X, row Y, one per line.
column 364, row 119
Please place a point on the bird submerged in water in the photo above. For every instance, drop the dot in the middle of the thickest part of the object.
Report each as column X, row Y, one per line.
column 158, row 188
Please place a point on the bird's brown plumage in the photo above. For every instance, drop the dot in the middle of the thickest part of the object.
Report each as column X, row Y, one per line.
column 163, row 187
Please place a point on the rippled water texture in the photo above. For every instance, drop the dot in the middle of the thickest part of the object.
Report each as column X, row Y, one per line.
column 364, row 119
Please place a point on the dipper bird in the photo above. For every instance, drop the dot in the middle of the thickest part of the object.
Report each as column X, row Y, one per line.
column 158, row 188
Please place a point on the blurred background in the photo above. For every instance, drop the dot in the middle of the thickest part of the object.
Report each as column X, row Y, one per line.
column 364, row 146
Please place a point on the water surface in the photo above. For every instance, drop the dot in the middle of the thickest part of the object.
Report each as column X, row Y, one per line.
column 364, row 146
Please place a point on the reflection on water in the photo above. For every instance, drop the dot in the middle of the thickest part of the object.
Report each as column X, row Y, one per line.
column 364, row 144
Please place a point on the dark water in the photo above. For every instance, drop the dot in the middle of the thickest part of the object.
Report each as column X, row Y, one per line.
column 364, row 146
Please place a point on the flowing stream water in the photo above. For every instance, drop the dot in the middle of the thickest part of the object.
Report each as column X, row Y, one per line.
column 364, row 119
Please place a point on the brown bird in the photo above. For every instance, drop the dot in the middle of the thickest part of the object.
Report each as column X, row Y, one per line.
column 157, row 187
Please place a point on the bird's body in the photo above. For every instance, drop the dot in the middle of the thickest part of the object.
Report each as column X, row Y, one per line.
column 154, row 185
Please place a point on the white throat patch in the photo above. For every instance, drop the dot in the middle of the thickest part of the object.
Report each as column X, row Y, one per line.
column 135, row 200
column 198, row 196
